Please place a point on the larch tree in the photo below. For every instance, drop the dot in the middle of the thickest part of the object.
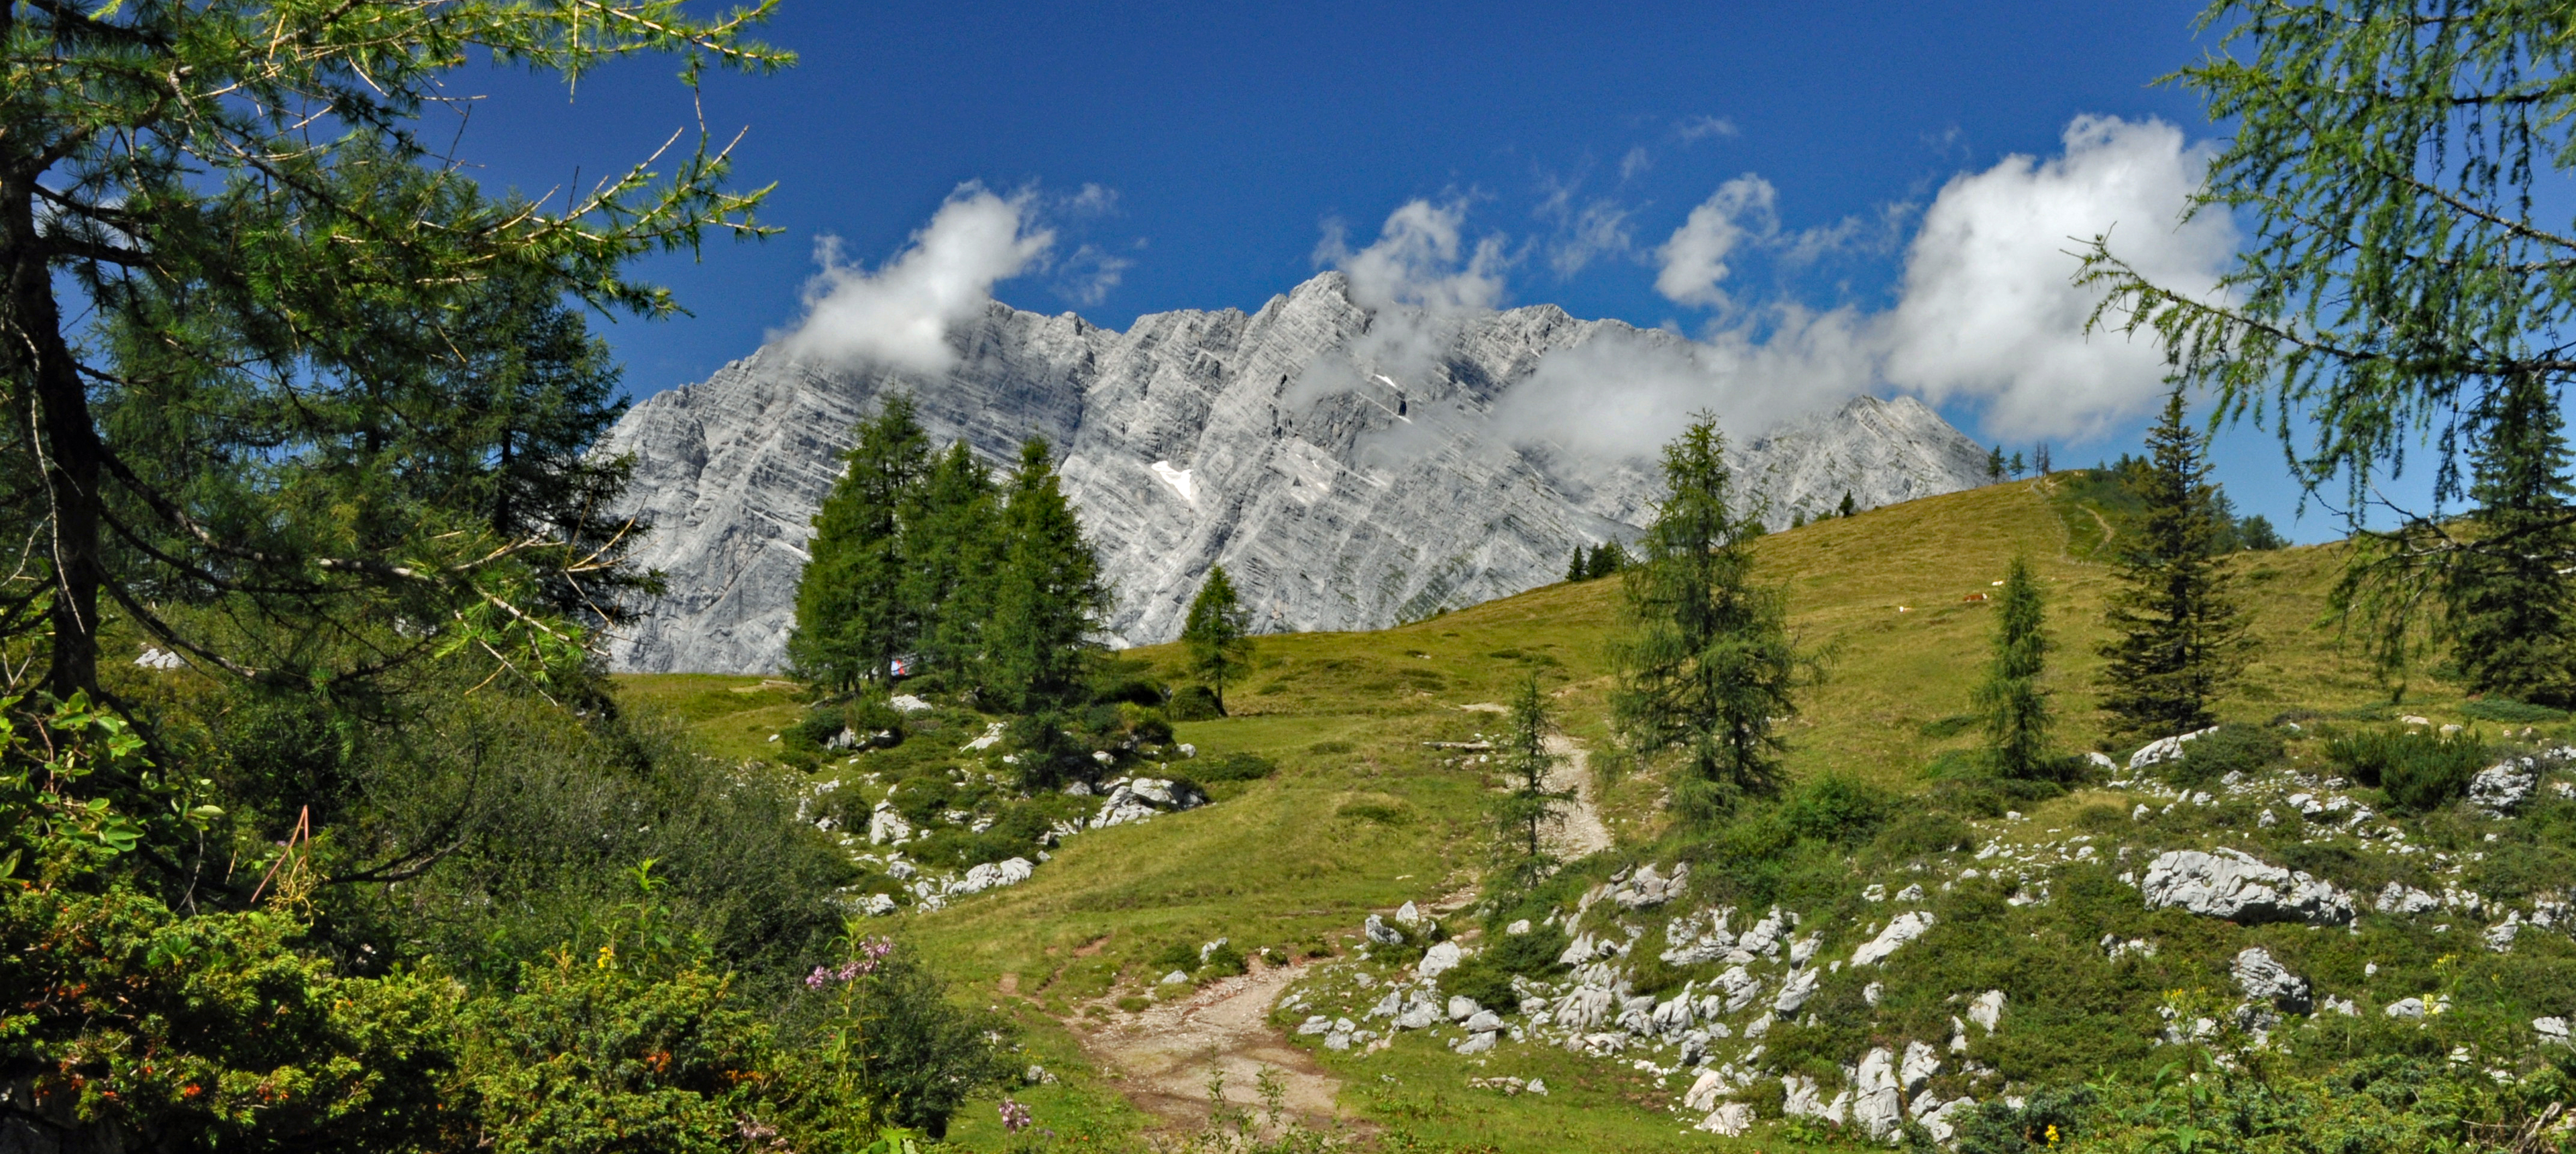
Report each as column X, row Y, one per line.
column 2406, row 270
column 853, row 619
column 2178, row 639
column 1218, row 634
column 230, row 339
column 1529, row 804
column 955, row 545
column 1047, row 594
column 1705, row 665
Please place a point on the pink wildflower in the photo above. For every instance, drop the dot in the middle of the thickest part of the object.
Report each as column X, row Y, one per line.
column 1015, row 1117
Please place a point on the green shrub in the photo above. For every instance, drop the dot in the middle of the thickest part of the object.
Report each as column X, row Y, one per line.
column 1943, row 729
column 1836, row 808
column 1193, row 703
column 1232, row 767
column 1329, row 748
column 2418, row 771
column 2231, row 748
column 2511, row 712
column 1489, row 985
column 1921, row 832
column 1180, row 956
column 1225, row 961
column 1530, row 955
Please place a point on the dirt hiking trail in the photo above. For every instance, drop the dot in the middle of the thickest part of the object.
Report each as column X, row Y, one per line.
column 1167, row 1052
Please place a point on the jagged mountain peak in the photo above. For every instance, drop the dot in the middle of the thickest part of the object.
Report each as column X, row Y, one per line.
column 1341, row 462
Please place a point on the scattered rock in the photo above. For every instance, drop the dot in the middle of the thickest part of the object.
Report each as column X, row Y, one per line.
column 2240, row 888
column 1647, row 889
column 1408, row 914
column 1376, row 930
column 1987, row 1009
column 1878, row 1102
column 2552, row 1031
column 2265, row 979
column 2163, row 749
column 1795, row 992
column 1730, row 1120
column 1905, row 928
column 2500, row 788
column 1518, row 928
column 2399, row 898
column 1440, row 959
column 907, row 703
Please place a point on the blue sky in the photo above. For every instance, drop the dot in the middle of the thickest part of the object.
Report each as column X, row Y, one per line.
column 1224, row 141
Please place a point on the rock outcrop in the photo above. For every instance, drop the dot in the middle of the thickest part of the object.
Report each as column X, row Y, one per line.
column 2241, row 888
column 1340, row 490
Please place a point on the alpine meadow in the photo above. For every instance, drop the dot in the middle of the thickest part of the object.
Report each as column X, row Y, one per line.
column 1373, row 715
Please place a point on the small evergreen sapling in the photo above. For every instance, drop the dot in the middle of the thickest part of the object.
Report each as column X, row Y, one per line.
column 2014, row 706
column 1846, row 509
column 1218, row 634
column 1527, row 808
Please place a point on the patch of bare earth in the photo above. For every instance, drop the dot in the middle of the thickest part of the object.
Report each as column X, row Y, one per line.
column 1166, row 1052
column 1582, row 832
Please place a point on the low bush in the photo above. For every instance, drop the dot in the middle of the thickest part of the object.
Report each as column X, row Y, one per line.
column 1232, row 767
column 1224, row 961
column 2231, row 748
column 1194, row 703
column 1922, row 832
column 1484, row 982
column 1531, row 955
column 2511, row 712
column 2418, row 771
column 1835, row 808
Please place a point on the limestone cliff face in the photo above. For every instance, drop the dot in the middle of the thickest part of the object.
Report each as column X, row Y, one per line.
column 1201, row 438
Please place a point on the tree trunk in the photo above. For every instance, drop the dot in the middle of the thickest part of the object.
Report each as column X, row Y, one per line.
column 47, row 381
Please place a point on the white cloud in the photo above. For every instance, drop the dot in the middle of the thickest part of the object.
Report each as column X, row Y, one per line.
column 900, row 314
column 1702, row 127
column 1637, row 161
column 1086, row 277
column 1693, row 260
column 1415, row 261
column 1622, row 394
column 1989, row 312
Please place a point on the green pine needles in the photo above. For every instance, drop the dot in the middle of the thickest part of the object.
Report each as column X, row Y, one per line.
column 923, row 564
column 2015, row 708
column 1705, row 665
column 1218, row 634
column 2179, row 639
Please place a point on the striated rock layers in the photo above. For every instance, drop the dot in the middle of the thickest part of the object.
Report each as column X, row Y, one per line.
column 1345, row 480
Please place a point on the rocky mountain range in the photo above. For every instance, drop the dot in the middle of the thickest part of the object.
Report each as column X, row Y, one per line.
column 1341, row 462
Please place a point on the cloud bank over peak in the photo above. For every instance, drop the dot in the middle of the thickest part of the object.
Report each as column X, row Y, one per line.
column 1415, row 261
column 1694, row 259
column 900, row 314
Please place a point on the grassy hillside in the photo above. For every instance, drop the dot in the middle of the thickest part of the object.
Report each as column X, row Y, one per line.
column 1364, row 816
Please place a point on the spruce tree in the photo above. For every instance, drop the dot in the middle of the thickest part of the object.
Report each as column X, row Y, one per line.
column 1608, row 558
column 1047, row 595
column 1218, row 634
column 2507, row 606
column 852, row 619
column 1527, row 808
column 1846, row 509
column 2015, row 708
column 1574, row 569
column 2017, row 467
column 2178, row 638
column 953, row 545
column 1995, row 464
column 1704, row 661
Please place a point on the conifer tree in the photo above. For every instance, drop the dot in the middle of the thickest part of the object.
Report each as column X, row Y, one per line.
column 2040, row 460
column 1575, row 569
column 1527, row 808
column 953, row 546
column 1995, row 464
column 1218, row 634
column 1047, row 596
column 2015, row 707
column 2507, row 606
column 2017, row 467
column 1705, row 664
column 852, row 619
column 1608, row 558
column 1846, row 509
column 2178, row 638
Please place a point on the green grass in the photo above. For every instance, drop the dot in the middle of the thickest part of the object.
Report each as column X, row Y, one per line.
column 1363, row 816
